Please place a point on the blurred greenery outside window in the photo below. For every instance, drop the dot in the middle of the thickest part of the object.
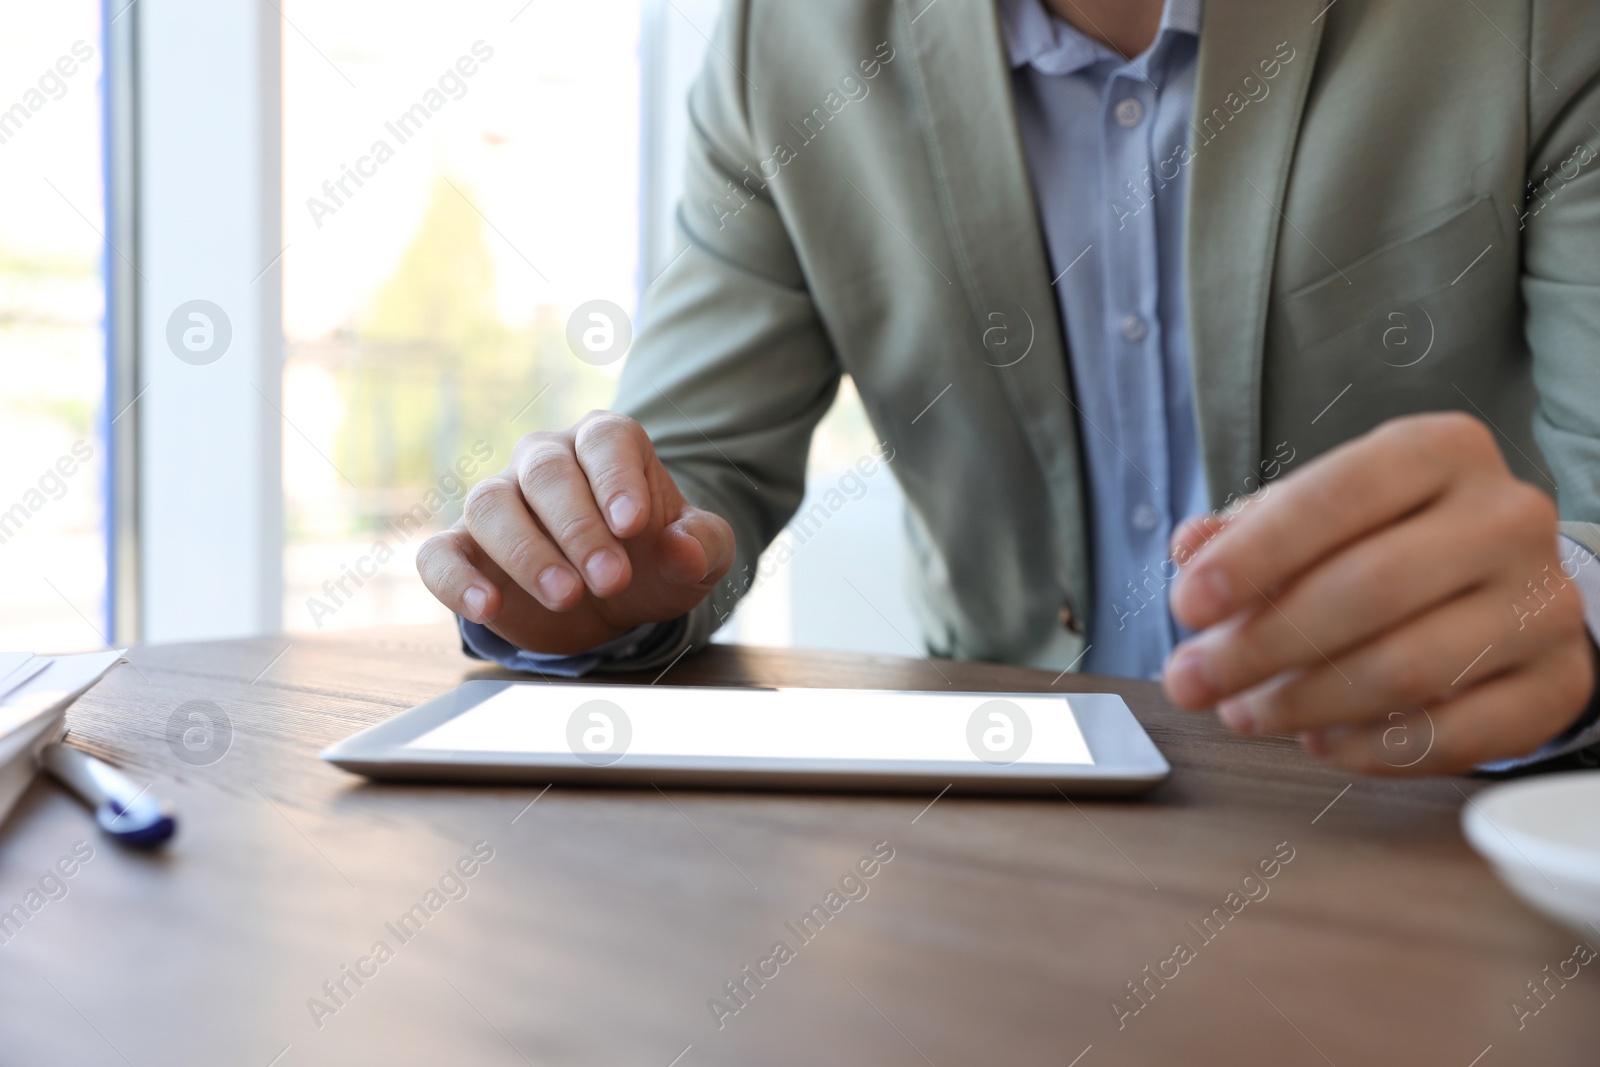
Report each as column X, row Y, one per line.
column 459, row 347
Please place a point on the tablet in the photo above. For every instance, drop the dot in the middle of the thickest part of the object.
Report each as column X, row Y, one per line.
column 835, row 739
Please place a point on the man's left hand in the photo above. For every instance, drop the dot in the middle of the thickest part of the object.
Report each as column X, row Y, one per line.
column 1399, row 603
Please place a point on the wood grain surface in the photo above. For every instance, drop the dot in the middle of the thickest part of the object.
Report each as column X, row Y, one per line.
column 601, row 927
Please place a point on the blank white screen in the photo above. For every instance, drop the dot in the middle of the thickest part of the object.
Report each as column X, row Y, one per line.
column 792, row 724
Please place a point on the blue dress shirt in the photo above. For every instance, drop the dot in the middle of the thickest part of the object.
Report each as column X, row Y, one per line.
column 1101, row 133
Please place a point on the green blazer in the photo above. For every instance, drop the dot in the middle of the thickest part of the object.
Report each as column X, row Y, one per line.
column 1394, row 207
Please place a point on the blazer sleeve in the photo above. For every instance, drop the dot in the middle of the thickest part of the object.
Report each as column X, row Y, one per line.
column 1561, row 252
column 732, row 368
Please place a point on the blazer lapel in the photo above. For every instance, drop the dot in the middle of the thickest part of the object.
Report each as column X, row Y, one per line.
column 963, row 82
column 1234, row 214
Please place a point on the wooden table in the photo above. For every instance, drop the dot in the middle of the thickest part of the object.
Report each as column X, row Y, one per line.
column 605, row 921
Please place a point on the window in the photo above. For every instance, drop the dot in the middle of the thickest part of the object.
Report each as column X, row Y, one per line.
column 458, row 179
column 52, row 341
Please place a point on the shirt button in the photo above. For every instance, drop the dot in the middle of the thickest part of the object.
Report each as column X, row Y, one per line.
column 1128, row 112
column 1145, row 518
column 1134, row 327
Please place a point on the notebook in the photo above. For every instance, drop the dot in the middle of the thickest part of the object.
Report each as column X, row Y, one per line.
column 35, row 692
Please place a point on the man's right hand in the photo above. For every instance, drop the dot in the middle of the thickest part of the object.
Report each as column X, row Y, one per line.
column 584, row 537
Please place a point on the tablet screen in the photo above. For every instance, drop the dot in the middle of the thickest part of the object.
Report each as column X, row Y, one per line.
column 602, row 724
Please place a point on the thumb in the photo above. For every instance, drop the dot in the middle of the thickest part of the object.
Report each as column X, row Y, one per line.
column 697, row 548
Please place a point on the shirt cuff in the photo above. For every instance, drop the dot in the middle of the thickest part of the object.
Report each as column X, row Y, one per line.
column 1579, row 566
column 620, row 653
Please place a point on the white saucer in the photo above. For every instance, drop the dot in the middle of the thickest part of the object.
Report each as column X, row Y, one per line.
column 1542, row 835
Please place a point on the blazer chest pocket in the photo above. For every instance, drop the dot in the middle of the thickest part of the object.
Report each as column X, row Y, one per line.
column 1392, row 276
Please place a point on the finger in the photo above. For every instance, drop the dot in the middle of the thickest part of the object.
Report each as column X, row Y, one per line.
column 1361, row 485
column 1354, row 595
column 498, row 519
column 697, row 548
column 613, row 452
column 445, row 566
column 1194, row 533
column 1431, row 659
column 1434, row 658
column 1509, row 716
column 559, row 493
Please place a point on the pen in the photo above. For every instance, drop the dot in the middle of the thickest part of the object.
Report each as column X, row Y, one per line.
column 122, row 809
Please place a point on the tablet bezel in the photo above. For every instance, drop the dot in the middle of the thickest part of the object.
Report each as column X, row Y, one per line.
column 1126, row 760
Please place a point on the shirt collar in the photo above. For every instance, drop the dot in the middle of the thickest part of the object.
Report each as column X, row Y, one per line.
column 1035, row 36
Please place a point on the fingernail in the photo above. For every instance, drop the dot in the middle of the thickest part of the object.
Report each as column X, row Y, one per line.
column 1236, row 712
column 556, row 584
column 1191, row 677
column 603, row 568
column 623, row 511
column 476, row 602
